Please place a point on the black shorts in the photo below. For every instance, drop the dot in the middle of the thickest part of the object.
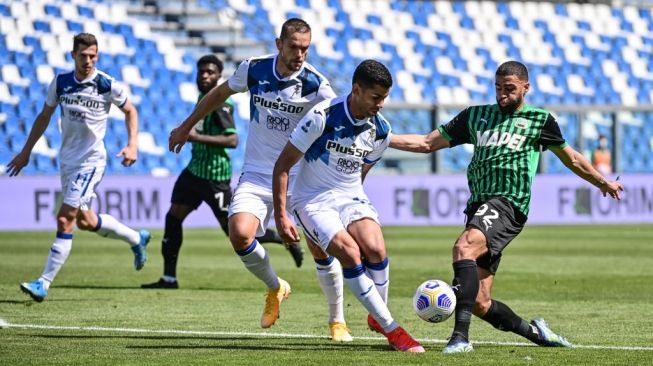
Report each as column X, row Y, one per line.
column 191, row 190
column 500, row 222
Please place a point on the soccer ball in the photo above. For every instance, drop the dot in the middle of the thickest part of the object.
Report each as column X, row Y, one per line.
column 434, row 301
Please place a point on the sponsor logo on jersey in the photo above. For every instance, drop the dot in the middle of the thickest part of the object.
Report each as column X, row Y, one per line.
column 521, row 123
column 88, row 103
column 278, row 123
column 348, row 166
column 495, row 138
column 347, row 150
column 276, row 104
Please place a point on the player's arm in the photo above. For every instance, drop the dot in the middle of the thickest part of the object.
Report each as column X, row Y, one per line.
column 215, row 97
column 454, row 133
column 130, row 152
column 38, row 128
column 229, row 141
column 434, row 141
column 578, row 164
column 224, row 117
column 287, row 159
column 364, row 170
column 551, row 138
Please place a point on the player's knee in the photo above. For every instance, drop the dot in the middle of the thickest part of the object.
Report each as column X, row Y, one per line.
column 481, row 306
column 468, row 246
column 84, row 224
column 64, row 224
column 240, row 239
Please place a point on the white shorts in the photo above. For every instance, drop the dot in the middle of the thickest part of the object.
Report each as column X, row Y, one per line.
column 322, row 218
column 78, row 186
column 254, row 195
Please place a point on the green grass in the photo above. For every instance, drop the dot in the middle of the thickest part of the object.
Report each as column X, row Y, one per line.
column 594, row 284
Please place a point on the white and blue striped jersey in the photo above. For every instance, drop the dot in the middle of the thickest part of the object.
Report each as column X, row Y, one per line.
column 84, row 109
column 276, row 106
column 335, row 147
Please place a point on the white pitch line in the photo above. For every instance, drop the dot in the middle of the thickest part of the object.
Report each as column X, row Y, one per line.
column 292, row 335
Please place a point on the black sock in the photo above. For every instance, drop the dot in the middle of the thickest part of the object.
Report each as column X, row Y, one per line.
column 270, row 236
column 466, row 283
column 503, row 318
column 172, row 238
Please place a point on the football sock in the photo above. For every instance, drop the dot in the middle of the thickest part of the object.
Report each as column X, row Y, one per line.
column 108, row 227
column 171, row 244
column 56, row 258
column 270, row 236
column 256, row 260
column 503, row 318
column 329, row 275
column 380, row 274
column 466, row 283
column 363, row 288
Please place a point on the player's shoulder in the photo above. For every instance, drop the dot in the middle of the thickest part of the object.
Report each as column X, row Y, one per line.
column 382, row 126
column 257, row 60
column 103, row 81
column 311, row 71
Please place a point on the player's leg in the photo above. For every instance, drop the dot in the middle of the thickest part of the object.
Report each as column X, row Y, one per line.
column 106, row 225
column 470, row 245
column 502, row 317
column 57, row 256
column 249, row 213
column 329, row 276
column 295, row 249
column 345, row 248
column 325, row 227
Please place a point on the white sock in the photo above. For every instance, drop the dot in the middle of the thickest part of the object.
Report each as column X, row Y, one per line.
column 363, row 288
column 329, row 275
column 257, row 261
column 56, row 258
column 380, row 274
column 109, row 227
column 169, row 278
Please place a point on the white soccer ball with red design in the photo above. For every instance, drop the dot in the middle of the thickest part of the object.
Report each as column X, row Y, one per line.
column 434, row 301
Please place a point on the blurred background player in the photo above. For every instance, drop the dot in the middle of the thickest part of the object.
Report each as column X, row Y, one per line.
column 601, row 156
column 85, row 96
column 507, row 137
column 207, row 178
column 340, row 140
column 283, row 88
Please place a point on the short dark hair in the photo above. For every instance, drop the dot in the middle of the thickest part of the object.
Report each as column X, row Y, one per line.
column 85, row 39
column 513, row 68
column 294, row 25
column 211, row 59
column 370, row 73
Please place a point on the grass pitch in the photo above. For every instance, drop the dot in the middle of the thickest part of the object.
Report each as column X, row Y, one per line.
column 593, row 284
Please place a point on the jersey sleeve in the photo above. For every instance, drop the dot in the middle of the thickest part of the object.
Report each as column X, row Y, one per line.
column 225, row 118
column 456, row 131
column 51, row 99
column 551, row 135
column 308, row 130
column 118, row 95
column 379, row 147
column 325, row 91
column 238, row 81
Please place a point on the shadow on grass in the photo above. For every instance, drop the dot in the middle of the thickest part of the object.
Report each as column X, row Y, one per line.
column 227, row 342
column 98, row 287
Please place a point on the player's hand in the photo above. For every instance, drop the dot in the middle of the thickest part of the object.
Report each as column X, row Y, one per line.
column 129, row 154
column 287, row 229
column 177, row 139
column 17, row 164
column 613, row 189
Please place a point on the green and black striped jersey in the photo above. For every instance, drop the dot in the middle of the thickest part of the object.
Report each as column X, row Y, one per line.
column 209, row 161
column 506, row 150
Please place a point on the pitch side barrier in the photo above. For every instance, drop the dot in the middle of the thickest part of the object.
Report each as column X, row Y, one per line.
column 30, row 203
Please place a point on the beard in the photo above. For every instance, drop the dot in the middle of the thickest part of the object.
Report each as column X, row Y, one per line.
column 511, row 107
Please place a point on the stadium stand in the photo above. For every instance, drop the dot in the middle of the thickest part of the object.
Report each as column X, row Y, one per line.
column 593, row 63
